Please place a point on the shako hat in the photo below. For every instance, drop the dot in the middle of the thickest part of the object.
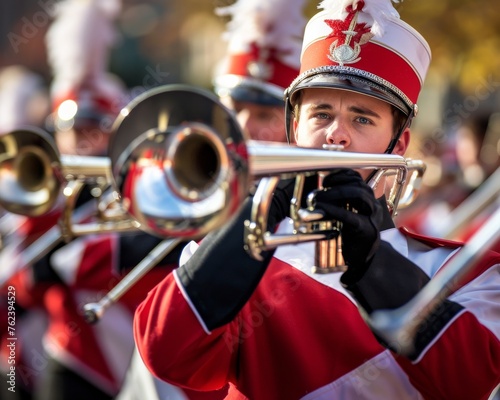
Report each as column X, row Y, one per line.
column 79, row 41
column 363, row 46
column 264, row 41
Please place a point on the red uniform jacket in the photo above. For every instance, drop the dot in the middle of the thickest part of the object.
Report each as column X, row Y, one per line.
column 301, row 336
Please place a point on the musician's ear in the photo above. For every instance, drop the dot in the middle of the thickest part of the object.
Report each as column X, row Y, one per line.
column 403, row 143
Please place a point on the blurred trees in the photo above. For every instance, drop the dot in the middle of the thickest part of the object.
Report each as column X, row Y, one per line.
column 464, row 35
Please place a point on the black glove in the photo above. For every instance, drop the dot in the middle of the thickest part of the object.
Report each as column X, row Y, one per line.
column 390, row 282
column 280, row 206
column 221, row 276
column 378, row 276
column 348, row 199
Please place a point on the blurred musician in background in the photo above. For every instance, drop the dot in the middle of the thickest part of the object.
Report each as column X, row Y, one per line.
column 25, row 103
column 275, row 329
column 80, row 360
column 468, row 190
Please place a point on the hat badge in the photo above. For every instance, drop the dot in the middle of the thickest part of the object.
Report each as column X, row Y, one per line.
column 260, row 66
column 349, row 36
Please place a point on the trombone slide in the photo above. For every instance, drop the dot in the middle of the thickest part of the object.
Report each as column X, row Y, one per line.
column 398, row 327
column 14, row 259
column 94, row 311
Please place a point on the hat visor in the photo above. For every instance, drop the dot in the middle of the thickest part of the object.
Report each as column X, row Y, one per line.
column 254, row 95
column 352, row 83
column 246, row 89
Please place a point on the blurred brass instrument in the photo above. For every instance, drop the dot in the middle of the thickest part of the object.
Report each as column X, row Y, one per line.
column 35, row 179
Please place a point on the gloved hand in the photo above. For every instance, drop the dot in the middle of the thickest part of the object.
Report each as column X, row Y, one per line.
column 378, row 276
column 348, row 199
column 283, row 194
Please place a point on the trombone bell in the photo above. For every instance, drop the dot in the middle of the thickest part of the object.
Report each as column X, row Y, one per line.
column 187, row 170
column 29, row 182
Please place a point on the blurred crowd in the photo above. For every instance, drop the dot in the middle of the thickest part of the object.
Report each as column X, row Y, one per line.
column 59, row 355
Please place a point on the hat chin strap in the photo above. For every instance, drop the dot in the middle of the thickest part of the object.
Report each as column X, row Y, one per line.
column 288, row 120
column 394, row 140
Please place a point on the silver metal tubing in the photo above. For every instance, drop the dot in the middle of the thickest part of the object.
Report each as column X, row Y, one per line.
column 398, row 327
column 478, row 201
column 93, row 312
column 15, row 258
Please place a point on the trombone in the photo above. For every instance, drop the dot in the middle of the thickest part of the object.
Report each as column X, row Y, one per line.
column 399, row 326
column 188, row 168
column 33, row 175
column 179, row 166
column 35, row 180
column 209, row 159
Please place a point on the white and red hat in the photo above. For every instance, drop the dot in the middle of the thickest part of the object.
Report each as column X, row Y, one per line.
column 79, row 41
column 23, row 97
column 363, row 46
column 263, row 56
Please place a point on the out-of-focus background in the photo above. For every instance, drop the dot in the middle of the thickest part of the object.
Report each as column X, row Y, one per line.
column 457, row 131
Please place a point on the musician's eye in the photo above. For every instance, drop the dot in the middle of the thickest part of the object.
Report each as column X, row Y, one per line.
column 321, row 116
column 364, row 120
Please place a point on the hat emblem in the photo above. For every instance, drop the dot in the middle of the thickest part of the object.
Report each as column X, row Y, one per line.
column 260, row 67
column 259, row 70
column 349, row 36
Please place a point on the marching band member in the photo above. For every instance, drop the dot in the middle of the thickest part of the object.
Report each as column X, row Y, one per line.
column 25, row 103
column 276, row 330
column 81, row 360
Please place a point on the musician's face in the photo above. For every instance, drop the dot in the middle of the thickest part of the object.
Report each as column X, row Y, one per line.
column 260, row 122
column 359, row 123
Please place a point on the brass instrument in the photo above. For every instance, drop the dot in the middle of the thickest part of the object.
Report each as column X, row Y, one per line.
column 227, row 176
column 16, row 255
column 188, row 168
column 35, row 179
column 179, row 167
column 307, row 225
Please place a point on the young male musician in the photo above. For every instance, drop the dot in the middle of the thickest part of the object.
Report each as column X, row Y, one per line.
column 276, row 330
